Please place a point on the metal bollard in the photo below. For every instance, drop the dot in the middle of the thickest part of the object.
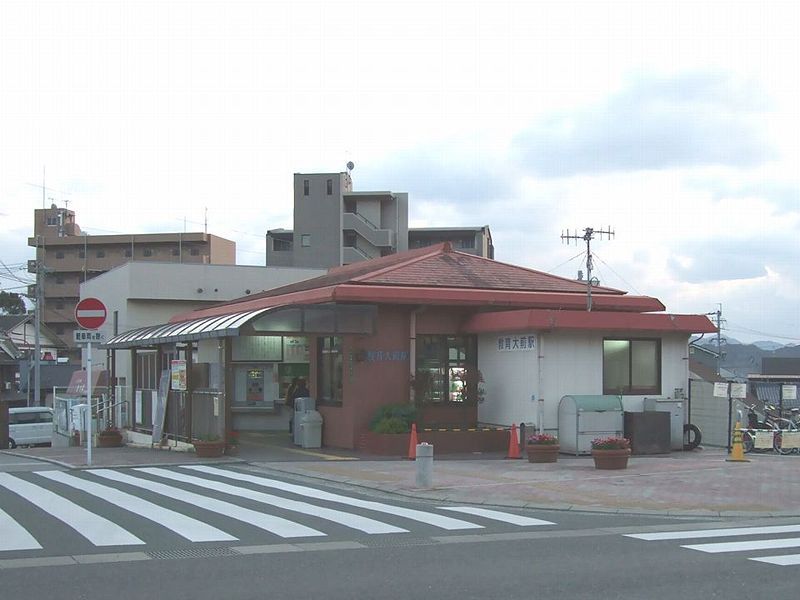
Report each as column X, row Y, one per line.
column 424, row 463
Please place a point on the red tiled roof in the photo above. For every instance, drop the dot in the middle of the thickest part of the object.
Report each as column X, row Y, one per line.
column 438, row 266
column 437, row 275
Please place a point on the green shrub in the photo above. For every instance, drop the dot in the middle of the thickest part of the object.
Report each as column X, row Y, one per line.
column 399, row 414
column 391, row 425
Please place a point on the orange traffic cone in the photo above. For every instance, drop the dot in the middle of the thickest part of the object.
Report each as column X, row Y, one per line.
column 513, row 443
column 412, row 443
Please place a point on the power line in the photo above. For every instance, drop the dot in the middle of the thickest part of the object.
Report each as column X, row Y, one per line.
column 566, row 262
column 630, row 285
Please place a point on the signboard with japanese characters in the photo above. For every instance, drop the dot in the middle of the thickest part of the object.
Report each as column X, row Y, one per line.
column 720, row 389
column 178, row 375
column 88, row 336
column 516, row 343
column 739, row 390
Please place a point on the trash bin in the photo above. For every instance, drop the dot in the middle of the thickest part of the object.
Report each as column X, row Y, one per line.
column 301, row 406
column 310, row 427
column 584, row 418
column 675, row 409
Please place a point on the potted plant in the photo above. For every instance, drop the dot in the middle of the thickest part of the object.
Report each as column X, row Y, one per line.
column 110, row 437
column 208, row 446
column 542, row 448
column 611, row 452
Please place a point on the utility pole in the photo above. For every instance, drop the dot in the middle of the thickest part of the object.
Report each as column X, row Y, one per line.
column 718, row 322
column 588, row 236
column 37, row 344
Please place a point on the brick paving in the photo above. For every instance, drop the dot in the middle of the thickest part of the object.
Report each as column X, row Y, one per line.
column 701, row 482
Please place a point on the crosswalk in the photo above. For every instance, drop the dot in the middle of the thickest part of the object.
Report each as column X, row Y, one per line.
column 156, row 507
column 735, row 543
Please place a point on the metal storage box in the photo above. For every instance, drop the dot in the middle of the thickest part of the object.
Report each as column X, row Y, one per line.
column 675, row 409
column 648, row 432
column 584, row 418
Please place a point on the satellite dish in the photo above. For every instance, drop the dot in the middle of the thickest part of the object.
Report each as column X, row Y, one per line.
column 350, row 165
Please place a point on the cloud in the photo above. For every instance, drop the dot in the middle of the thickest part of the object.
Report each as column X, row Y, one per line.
column 784, row 195
column 733, row 259
column 695, row 119
column 465, row 171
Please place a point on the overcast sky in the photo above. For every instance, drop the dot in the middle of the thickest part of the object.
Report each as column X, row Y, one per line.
column 674, row 123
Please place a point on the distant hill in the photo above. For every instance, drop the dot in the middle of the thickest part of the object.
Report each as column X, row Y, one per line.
column 744, row 359
column 768, row 345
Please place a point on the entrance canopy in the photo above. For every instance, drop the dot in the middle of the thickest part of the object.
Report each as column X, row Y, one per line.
column 317, row 319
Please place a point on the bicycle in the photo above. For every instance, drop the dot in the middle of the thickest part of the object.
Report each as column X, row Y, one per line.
column 774, row 423
column 786, row 424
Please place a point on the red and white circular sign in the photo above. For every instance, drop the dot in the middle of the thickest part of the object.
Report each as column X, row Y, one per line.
column 90, row 313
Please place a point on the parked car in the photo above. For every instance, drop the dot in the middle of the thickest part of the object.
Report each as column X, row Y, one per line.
column 30, row 426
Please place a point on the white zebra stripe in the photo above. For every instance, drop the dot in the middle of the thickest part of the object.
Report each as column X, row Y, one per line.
column 96, row 529
column 712, row 533
column 440, row 521
column 497, row 515
column 743, row 546
column 277, row 525
column 783, row 561
column 360, row 523
column 15, row 536
column 186, row 527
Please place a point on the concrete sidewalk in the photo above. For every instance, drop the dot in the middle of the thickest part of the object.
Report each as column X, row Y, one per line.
column 698, row 483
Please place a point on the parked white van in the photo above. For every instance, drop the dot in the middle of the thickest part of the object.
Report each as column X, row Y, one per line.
column 30, row 425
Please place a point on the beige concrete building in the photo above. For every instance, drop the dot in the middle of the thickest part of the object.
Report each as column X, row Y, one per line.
column 67, row 257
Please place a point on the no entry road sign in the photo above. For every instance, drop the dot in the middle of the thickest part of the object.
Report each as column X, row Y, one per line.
column 90, row 313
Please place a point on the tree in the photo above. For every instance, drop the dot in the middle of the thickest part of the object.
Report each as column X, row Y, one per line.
column 11, row 304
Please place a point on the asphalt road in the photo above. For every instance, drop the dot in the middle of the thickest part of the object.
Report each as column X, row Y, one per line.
column 442, row 553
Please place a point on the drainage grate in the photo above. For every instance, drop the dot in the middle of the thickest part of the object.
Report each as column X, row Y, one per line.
column 398, row 542
column 195, row 552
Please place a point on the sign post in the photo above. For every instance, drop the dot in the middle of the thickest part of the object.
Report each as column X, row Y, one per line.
column 90, row 313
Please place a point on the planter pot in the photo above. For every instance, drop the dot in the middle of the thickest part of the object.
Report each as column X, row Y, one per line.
column 209, row 449
column 611, row 459
column 542, row 453
column 109, row 439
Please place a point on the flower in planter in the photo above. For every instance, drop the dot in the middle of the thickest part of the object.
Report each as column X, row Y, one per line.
column 610, row 443
column 542, row 439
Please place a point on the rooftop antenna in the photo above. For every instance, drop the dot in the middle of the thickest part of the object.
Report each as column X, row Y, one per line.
column 350, row 166
column 205, row 221
column 588, row 236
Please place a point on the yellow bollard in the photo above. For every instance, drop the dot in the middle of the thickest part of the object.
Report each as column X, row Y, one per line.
column 737, row 450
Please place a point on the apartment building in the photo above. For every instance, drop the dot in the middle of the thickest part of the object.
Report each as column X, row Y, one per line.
column 335, row 225
column 67, row 257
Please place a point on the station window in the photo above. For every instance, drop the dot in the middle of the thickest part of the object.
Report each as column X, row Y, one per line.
column 306, row 187
column 446, row 369
column 631, row 366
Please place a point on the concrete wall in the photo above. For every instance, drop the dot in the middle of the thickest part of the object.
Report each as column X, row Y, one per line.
column 318, row 215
